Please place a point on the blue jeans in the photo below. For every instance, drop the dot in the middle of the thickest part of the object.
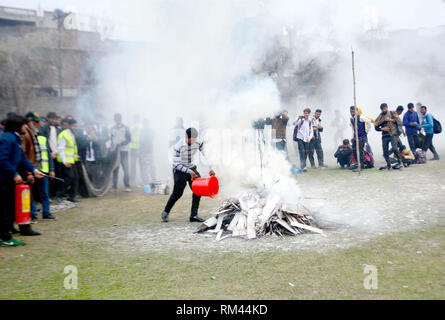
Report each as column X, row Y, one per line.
column 44, row 195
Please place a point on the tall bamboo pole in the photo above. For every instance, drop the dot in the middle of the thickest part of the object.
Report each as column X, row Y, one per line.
column 357, row 142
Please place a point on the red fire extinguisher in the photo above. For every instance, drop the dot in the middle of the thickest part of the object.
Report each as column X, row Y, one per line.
column 22, row 204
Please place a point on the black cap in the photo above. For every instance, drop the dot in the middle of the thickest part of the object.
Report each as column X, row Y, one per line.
column 52, row 115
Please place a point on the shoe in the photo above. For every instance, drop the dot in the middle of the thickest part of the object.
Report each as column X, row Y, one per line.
column 435, row 159
column 385, row 168
column 34, row 220
column 127, row 190
column 12, row 243
column 164, row 216
column 396, row 166
column 73, row 200
column 196, row 219
column 14, row 231
column 313, row 166
column 30, row 233
column 49, row 217
column 304, row 170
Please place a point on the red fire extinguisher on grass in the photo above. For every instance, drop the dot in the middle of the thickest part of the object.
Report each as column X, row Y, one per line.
column 22, row 204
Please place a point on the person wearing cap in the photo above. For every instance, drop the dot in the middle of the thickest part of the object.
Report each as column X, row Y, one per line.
column 67, row 156
column 51, row 131
column 410, row 121
column 46, row 166
column 11, row 158
column 33, row 152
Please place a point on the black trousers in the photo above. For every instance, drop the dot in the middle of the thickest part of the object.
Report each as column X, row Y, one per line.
column 181, row 179
column 71, row 182
column 316, row 146
column 304, row 149
column 361, row 150
column 413, row 141
column 386, row 140
column 55, row 185
column 7, row 208
column 428, row 144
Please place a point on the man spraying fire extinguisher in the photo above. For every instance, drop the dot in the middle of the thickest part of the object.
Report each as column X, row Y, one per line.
column 11, row 159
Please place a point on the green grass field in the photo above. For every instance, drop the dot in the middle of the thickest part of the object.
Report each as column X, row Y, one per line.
column 411, row 264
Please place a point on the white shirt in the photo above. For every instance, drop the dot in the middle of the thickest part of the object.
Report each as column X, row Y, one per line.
column 305, row 129
column 53, row 139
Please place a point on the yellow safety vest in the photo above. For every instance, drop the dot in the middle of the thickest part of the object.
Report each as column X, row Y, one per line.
column 45, row 156
column 71, row 151
column 135, row 136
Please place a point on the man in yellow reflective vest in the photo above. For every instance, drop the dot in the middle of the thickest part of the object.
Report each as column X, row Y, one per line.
column 135, row 148
column 68, row 155
column 47, row 167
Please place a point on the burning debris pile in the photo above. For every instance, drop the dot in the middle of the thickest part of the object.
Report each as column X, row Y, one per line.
column 255, row 214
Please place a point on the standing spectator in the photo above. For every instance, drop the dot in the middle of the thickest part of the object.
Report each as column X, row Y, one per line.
column 410, row 121
column 279, row 125
column 400, row 130
column 428, row 126
column 135, row 152
column 316, row 140
column 363, row 126
column 46, row 166
column 31, row 148
column 67, row 156
column 303, row 133
column 11, row 157
column 91, row 155
column 82, row 141
column 387, row 122
column 51, row 132
column 146, row 149
column 121, row 138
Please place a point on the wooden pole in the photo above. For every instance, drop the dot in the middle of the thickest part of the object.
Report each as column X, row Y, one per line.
column 357, row 142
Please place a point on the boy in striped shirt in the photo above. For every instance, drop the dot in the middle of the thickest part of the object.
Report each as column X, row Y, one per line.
column 185, row 171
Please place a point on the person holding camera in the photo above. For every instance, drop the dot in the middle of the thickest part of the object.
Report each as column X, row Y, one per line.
column 303, row 133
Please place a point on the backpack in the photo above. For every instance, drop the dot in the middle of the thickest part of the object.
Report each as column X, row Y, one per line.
column 420, row 157
column 437, row 127
column 369, row 160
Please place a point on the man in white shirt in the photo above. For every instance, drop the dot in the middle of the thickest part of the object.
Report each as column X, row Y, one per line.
column 303, row 134
column 185, row 153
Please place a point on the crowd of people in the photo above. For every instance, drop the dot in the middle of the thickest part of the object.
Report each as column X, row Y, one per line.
column 419, row 131
column 61, row 160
